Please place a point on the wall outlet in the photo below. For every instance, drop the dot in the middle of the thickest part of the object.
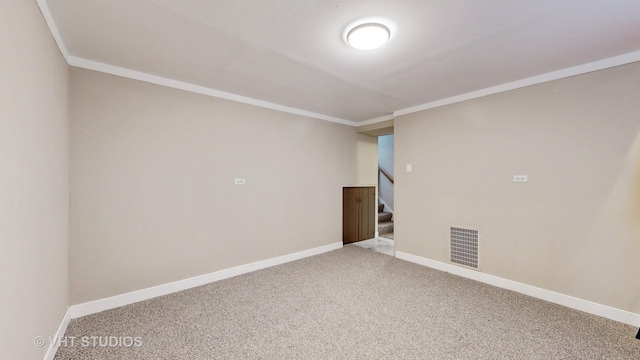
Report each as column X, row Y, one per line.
column 239, row 181
column 521, row 178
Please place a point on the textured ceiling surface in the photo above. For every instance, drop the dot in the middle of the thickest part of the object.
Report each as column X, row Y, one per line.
column 292, row 52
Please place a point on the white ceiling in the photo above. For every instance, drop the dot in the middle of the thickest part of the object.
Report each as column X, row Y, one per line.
column 292, row 53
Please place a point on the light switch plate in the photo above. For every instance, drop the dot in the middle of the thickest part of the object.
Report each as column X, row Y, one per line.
column 239, row 181
column 409, row 168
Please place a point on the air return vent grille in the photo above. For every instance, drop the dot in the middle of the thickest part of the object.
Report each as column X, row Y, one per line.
column 464, row 247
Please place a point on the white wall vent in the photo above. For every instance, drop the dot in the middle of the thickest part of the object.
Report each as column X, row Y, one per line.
column 464, row 247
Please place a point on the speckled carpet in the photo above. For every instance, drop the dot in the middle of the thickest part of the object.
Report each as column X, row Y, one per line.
column 350, row 303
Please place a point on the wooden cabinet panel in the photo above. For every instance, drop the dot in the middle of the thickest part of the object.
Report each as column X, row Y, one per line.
column 358, row 213
column 349, row 216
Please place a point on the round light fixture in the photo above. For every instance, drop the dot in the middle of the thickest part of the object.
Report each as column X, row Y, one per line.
column 368, row 36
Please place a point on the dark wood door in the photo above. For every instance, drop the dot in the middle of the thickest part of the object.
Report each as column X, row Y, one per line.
column 358, row 213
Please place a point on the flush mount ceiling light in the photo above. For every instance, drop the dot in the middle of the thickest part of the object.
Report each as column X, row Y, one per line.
column 368, row 36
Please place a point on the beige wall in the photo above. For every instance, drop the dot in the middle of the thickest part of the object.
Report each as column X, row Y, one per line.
column 367, row 163
column 575, row 227
column 367, row 160
column 153, row 198
column 34, row 182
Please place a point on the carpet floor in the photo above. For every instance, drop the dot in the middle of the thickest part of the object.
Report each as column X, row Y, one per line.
column 349, row 303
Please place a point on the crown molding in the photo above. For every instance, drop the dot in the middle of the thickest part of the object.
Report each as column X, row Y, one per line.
column 534, row 80
column 162, row 81
column 375, row 120
column 159, row 80
column 46, row 13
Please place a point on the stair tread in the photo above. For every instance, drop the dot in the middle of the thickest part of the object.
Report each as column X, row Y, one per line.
column 384, row 216
column 385, row 227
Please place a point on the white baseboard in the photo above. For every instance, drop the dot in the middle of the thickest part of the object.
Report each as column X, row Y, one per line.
column 604, row 311
column 97, row 306
column 53, row 344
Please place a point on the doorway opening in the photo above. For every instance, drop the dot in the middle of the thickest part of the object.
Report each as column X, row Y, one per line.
column 375, row 152
column 385, row 187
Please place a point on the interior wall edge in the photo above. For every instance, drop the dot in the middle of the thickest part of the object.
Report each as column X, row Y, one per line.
column 197, row 89
column 534, row 80
column 62, row 329
column 96, row 306
column 608, row 312
column 53, row 28
column 538, row 79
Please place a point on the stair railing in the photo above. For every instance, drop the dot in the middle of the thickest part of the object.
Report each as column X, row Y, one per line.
column 380, row 171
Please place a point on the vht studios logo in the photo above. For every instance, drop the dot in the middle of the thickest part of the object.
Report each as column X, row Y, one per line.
column 90, row 341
